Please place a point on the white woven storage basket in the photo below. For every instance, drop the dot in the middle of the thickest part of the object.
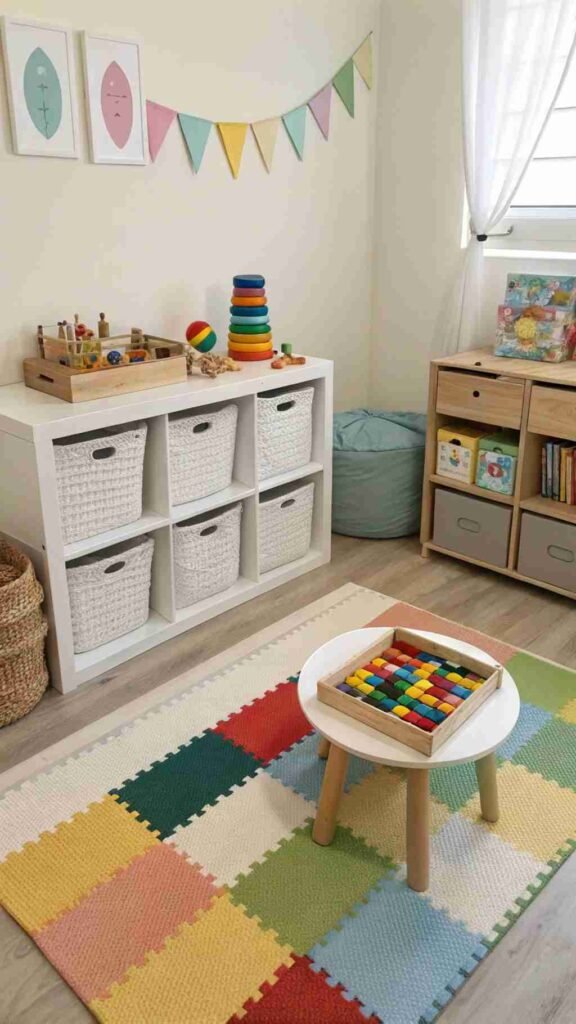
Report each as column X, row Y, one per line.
column 285, row 525
column 201, row 452
column 109, row 592
column 99, row 480
column 206, row 555
column 284, row 431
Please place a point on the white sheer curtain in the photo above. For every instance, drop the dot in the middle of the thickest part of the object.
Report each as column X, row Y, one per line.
column 515, row 56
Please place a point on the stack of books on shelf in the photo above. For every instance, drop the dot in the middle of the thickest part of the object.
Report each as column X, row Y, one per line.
column 559, row 471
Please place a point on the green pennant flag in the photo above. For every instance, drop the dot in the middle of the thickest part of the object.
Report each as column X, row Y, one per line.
column 195, row 131
column 343, row 82
column 295, row 125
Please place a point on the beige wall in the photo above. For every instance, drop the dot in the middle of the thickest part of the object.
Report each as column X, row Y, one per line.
column 419, row 193
column 157, row 246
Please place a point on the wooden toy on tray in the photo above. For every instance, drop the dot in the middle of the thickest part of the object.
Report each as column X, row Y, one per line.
column 417, row 692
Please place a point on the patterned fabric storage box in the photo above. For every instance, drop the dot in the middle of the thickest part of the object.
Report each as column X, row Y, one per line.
column 458, row 450
column 109, row 592
column 99, row 480
column 201, row 452
column 497, row 460
column 284, row 431
column 285, row 525
column 206, row 555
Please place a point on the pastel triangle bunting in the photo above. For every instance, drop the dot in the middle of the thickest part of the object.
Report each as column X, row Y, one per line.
column 344, row 84
column 266, row 133
column 295, row 125
column 158, row 119
column 233, row 137
column 320, row 107
column 195, row 131
column 363, row 61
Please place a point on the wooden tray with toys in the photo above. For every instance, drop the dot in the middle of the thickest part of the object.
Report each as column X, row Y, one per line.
column 77, row 366
column 417, row 692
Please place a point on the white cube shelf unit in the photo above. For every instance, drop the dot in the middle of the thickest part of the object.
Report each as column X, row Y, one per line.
column 29, row 515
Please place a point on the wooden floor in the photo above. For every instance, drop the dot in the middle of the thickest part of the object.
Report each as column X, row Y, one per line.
column 531, row 976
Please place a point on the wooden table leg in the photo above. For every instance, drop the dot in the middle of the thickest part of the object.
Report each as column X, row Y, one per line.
column 332, row 786
column 486, row 769
column 418, row 829
column 323, row 747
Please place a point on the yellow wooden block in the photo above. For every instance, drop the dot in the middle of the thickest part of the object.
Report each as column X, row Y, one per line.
column 473, row 686
column 454, row 677
column 431, row 701
column 446, row 708
column 365, row 687
column 401, row 711
column 362, row 673
column 429, row 666
column 425, row 685
column 353, row 680
column 414, row 691
column 43, row 879
column 423, row 673
column 379, row 662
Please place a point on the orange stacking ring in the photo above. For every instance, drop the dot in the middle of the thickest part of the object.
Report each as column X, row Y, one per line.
column 251, row 357
column 250, row 339
column 237, row 346
column 239, row 300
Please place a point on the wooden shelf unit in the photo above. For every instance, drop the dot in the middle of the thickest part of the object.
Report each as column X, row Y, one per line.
column 538, row 400
column 31, row 421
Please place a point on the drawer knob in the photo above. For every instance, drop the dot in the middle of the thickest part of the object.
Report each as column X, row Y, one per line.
column 476, row 394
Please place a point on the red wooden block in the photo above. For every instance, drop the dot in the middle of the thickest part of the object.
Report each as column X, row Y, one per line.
column 416, row 663
column 407, row 648
column 436, row 691
column 441, row 681
column 426, row 724
column 451, row 699
column 269, row 725
column 413, row 718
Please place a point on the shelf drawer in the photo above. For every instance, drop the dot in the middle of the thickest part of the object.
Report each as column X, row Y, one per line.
column 553, row 411
column 485, row 399
column 547, row 551
column 470, row 526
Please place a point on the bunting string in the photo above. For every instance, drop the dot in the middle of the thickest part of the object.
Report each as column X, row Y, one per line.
column 233, row 134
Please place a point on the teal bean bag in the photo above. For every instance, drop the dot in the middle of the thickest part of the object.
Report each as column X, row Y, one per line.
column 378, row 468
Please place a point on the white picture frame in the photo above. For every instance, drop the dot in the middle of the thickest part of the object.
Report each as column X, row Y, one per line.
column 40, row 57
column 115, row 103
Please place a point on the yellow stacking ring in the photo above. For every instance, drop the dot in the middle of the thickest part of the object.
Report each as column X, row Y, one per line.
column 245, row 339
column 237, row 346
column 242, row 300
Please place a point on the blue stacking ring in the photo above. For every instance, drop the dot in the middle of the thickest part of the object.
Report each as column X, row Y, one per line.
column 249, row 281
column 249, row 320
column 249, row 310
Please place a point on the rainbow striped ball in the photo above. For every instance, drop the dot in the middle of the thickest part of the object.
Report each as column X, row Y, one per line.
column 200, row 336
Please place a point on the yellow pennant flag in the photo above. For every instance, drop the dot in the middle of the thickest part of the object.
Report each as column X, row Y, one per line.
column 233, row 135
column 363, row 60
column 265, row 133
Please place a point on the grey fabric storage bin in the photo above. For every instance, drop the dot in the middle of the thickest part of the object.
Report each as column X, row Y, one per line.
column 477, row 528
column 548, row 551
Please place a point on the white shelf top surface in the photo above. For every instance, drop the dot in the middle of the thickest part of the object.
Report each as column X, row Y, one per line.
column 24, row 411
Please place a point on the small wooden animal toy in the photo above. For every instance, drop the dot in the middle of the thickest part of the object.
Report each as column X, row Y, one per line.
column 287, row 360
column 210, row 365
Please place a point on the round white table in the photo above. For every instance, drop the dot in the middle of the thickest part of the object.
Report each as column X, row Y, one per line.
column 476, row 740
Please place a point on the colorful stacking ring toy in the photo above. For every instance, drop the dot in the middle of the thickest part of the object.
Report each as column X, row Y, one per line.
column 248, row 281
column 249, row 310
column 239, row 300
column 251, row 328
column 249, row 339
column 252, row 357
column 235, row 319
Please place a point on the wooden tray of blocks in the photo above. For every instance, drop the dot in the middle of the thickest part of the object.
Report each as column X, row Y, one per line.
column 417, row 695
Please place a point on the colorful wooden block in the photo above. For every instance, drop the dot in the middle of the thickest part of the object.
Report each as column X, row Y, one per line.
column 407, row 648
column 414, row 691
column 390, row 652
column 422, row 672
column 427, row 725
column 402, row 685
column 365, row 687
column 437, row 715
column 413, row 718
column 437, row 691
column 346, row 688
column 437, row 680
column 451, row 699
column 379, row 662
column 388, row 704
column 362, row 673
column 454, row 677
column 370, row 699
column 424, row 684
column 461, row 691
column 422, row 709
column 408, row 702
column 430, row 701
column 447, row 709
column 400, row 711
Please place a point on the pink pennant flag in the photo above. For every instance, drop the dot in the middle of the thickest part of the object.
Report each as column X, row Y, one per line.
column 159, row 119
column 320, row 107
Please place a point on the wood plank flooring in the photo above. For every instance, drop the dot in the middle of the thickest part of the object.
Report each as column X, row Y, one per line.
column 531, row 976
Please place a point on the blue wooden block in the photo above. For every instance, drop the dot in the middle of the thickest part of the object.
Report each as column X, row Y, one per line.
column 461, row 691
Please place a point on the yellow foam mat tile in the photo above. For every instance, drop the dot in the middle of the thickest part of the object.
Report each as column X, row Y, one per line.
column 536, row 815
column 375, row 810
column 45, row 878
column 204, row 973
column 568, row 712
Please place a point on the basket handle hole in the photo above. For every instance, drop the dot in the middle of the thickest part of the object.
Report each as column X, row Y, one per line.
column 288, row 502
column 114, row 568
column 208, row 530
column 104, row 453
column 201, row 428
column 284, row 406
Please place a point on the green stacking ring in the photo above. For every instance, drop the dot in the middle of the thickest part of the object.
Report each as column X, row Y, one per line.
column 251, row 328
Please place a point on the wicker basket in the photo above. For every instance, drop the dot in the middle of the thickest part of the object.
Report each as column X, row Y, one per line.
column 285, row 525
column 206, row 555
column 109, row 592
column 201, row 452
column 284, row 431
column 100, row 480
column 23, row 672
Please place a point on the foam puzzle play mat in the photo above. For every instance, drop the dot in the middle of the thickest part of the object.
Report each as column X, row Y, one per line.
column 420, row 697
